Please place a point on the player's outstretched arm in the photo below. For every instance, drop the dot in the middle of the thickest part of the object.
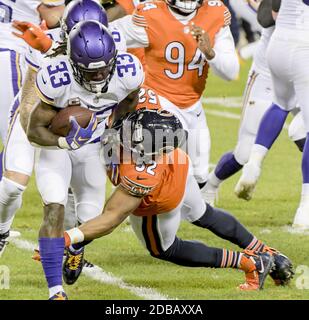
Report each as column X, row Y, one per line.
column 118, row 207
column 51, row 14
column 39, row 121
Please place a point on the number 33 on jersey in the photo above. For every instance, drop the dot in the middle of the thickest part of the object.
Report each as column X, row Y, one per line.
column 178, row 68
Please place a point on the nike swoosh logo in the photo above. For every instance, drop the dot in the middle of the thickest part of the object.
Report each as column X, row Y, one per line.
column 262, row 266
column 80, row 139
column 199, row 114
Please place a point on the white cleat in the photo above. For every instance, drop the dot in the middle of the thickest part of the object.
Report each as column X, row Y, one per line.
column 301, row 219
column 210, row 194
column 246, row 184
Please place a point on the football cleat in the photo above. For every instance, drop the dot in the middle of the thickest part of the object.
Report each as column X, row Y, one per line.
column 247, row 182
column 4, row 241
column 36, row 255
column 59, row 296
column 301, row 219
column 256, row 266
column 282, row 271
column 88, row 264
column 73, row 266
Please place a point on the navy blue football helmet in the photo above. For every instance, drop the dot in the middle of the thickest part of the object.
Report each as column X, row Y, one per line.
column 92, row 54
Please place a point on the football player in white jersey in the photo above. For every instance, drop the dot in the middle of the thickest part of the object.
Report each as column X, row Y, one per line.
column 19, row 153
column 290, row 75
column 13, row 68
column 257, row 99
column 12, row 50
column 107, row 85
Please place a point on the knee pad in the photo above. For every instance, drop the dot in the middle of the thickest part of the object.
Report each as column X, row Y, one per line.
column 87, row 211
column 10, row 189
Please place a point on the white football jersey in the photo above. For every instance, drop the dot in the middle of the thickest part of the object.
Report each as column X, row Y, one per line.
column 118, row 36
column 294, row 14
column 56, row 85
column 23, row 10
column 260, row 61
column 34, row 57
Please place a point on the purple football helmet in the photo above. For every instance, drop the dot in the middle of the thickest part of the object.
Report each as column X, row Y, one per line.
column 82, row 10
column 92, row 53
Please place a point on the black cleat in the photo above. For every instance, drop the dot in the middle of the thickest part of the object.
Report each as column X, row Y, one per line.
column 73, row 266
column 3, row 241
column 282, row 272
column 88, row 264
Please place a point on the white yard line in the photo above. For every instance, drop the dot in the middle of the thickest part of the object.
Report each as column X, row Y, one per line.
column 228, row 102
column 231, row 115
column 98, row 274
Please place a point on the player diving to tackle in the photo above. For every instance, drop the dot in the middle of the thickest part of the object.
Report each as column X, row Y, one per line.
column 97, row 77
column 290, row 78
column 154, row 187
column 19, row 153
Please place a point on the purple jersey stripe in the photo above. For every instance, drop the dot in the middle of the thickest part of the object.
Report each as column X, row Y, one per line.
column 15, row 74
column 14, row 108
column 44, row 95
column 32, row 64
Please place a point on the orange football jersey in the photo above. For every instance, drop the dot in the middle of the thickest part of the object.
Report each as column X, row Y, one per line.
column 129, row 7
column 177, row 69
column 161, row 184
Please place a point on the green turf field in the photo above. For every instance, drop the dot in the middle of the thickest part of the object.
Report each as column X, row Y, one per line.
column 268, row 215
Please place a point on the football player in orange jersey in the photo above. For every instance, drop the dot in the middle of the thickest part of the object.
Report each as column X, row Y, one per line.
column 155, row 188
column 182, row 39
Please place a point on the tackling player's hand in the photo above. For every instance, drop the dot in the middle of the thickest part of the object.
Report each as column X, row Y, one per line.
column 203, row 41
column 78, row 136
column 33, row 35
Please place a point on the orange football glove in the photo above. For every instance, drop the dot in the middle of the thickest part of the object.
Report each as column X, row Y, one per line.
column 33, row 35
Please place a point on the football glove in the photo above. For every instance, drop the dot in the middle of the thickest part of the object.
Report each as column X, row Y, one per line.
column 33, row 35
column 78, row 136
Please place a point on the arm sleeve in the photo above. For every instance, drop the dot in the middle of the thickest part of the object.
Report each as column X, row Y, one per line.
column 225, row 64
column 135, row 35
column 43, row 87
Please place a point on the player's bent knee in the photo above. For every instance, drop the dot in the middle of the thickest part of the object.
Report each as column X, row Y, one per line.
column 243, row 149
column 10, row 188
column 297, row 129
column 87, row 211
